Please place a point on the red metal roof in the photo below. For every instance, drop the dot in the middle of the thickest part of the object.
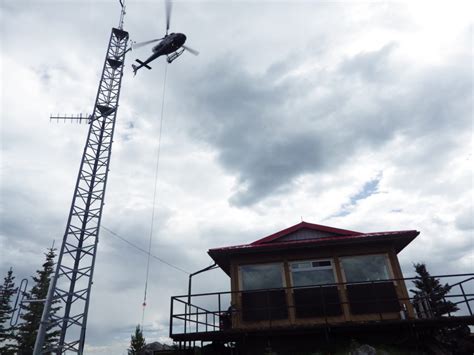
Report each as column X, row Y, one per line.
column 400, row 239
column 316, row 241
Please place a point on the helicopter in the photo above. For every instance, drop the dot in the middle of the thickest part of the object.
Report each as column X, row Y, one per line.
column 171, row 45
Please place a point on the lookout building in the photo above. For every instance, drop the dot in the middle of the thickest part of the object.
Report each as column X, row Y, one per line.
column 301, row 283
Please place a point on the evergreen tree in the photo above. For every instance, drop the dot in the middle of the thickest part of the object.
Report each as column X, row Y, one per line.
column 7, row 290
column 137, row 343
column 432, row 291
column 32, row 311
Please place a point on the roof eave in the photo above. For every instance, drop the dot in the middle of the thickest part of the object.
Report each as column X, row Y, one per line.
column 222, row 255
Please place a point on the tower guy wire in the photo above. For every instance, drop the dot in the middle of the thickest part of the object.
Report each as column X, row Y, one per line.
column 118, row 236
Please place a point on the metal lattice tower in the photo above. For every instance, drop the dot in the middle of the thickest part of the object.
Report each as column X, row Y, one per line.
column 70, row 288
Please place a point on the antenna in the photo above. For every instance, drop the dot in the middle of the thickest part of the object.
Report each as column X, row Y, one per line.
column 72, row 118
column 70, row 286
column 122, row 14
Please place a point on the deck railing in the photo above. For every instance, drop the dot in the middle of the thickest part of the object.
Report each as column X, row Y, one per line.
column 325, row 304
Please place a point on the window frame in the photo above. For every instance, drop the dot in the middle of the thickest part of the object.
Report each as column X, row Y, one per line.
column 332, row 267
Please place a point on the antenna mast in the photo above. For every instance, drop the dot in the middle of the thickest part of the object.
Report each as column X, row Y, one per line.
column 70, row 287
column 122, row 14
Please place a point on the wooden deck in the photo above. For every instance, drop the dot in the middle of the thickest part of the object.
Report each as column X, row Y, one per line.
column 338, row 328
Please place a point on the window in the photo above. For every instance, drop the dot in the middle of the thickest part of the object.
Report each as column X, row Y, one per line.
column 365, row 268
column 312, row 272
column 262, row 276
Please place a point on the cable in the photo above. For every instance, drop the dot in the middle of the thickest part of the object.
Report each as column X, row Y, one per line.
column 144, row 251
column 154, row 192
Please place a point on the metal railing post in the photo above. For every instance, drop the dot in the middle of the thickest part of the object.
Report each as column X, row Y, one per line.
column 445, row 303
column 324, row 303
column 466, row 300
column 219, row 302
column 377, row 300
column 197, row 320
column 171, row 317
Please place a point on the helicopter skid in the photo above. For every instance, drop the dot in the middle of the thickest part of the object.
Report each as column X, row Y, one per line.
column 171, row 57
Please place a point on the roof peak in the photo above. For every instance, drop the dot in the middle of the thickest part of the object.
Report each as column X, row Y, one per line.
column 304, row 225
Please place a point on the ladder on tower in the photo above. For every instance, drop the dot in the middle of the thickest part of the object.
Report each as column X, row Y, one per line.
column 70, row 287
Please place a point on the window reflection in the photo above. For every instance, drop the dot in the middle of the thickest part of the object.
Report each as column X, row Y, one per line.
column 262, row 276
column 365, row 268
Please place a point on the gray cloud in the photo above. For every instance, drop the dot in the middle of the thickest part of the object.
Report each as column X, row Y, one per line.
column 268, row 129
column 465, row 220
column 371, row 66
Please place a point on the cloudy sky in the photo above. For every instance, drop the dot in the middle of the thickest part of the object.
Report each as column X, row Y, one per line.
column 356, row 115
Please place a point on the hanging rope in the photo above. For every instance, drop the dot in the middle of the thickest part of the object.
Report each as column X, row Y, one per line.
column 154, row 194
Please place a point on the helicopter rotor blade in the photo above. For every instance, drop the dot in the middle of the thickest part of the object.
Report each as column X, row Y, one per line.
column 190, row 50
column 142, row 44
column 168, row 5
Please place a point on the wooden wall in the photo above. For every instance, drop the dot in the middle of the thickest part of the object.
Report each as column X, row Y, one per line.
column 334, row 253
